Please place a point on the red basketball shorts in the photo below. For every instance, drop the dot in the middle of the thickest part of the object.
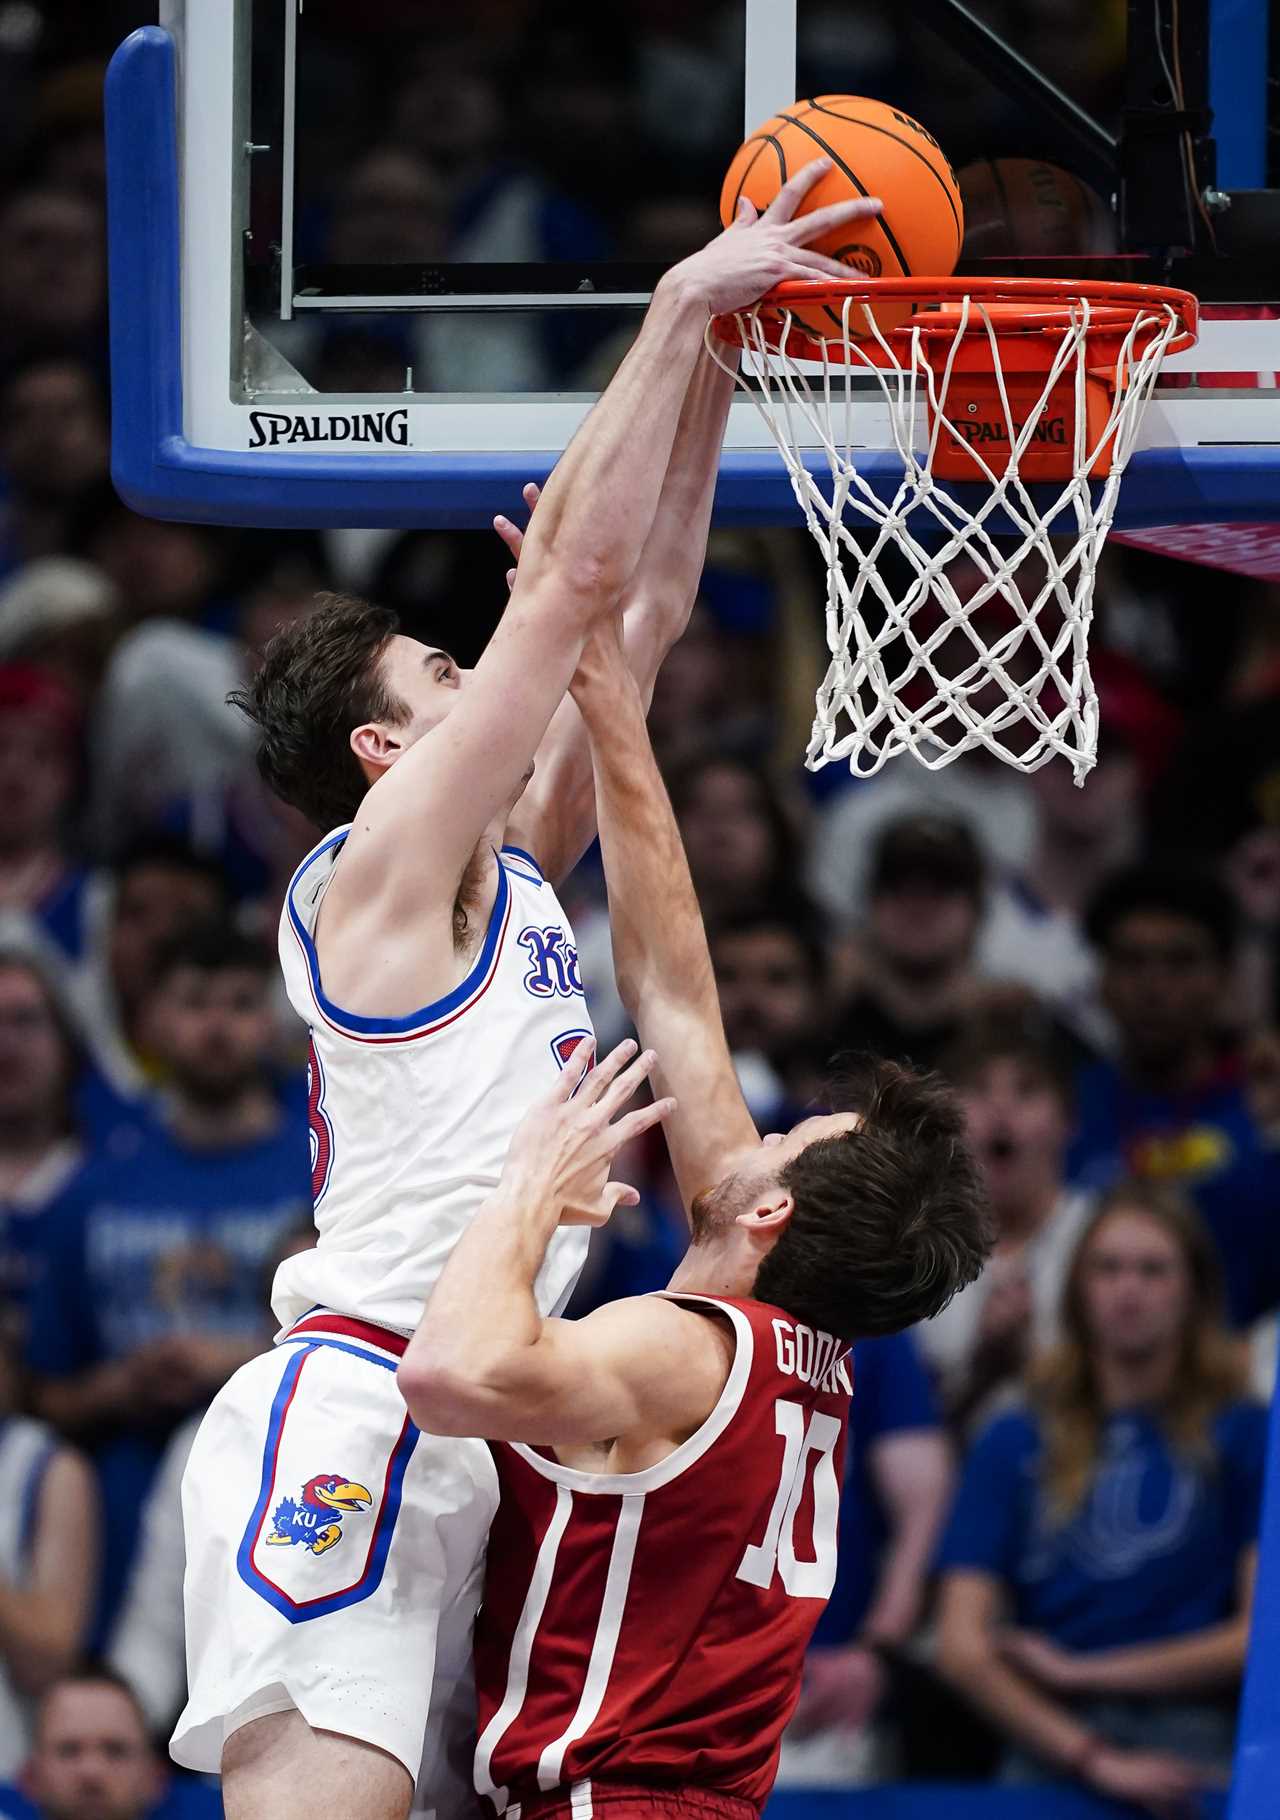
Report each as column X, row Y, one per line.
column 630, row 1801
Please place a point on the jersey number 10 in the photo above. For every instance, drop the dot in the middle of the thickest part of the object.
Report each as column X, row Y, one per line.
column 800, row 1443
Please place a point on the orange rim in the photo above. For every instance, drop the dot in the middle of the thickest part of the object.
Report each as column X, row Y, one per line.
column 1019, row 309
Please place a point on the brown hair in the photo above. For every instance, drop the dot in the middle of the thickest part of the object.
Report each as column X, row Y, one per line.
column 17, row 956
column 1021, row 1034
column 1211, row 1370
column 890, row 1219
column 320, row 678
column 93, row 1673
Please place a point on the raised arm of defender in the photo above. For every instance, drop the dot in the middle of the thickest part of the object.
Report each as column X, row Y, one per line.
column 422, row 821
column 555, row 819
column 659, row 943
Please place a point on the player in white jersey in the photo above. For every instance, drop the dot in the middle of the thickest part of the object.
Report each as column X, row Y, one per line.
column 427, row 1100
column 334, row 1551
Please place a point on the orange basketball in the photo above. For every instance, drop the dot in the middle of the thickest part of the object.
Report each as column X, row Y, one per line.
column 876, row 150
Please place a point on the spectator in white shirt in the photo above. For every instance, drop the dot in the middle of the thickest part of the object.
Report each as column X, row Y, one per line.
column 1016, row 1090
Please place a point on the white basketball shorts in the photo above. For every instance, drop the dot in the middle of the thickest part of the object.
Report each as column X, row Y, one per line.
column 334, row 1560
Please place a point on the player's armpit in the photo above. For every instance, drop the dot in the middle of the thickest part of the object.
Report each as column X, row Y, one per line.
column 644, row 1368
column 426, row 815
column 422, row 820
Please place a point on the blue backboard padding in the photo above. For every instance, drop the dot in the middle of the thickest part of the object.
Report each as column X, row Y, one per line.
column 158, row 472
column 1238, row 91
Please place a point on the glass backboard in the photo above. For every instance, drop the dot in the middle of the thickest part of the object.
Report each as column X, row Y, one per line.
column 384, row 290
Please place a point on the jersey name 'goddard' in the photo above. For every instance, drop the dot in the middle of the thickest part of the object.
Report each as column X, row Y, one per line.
column 411, row 1117
column 269, row 429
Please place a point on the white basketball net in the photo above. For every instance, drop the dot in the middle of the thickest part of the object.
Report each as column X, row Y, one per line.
column 910, row 670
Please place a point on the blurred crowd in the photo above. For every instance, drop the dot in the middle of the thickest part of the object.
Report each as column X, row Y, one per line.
column 1053, row 1496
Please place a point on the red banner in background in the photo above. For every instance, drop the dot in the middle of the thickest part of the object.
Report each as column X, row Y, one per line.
column 1242, row 549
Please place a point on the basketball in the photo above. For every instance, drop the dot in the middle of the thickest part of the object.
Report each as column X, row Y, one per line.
column 1024, row 208
column 876, row 150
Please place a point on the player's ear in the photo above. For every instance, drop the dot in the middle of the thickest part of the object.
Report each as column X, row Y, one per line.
column 770, row 1212
column 375, row 745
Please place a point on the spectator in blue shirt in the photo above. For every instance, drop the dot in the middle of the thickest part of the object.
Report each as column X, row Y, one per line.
column 152, row 1293
column 897, row 1486
column 93, row 1760
column 1173, row 1105
column 1098, row 1569
column 41, row 1150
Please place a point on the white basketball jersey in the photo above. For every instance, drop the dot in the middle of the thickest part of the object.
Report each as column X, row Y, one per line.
column 411, row 1117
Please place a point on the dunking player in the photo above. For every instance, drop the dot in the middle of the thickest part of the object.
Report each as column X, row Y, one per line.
column 333, row 1551
column 670, row 1476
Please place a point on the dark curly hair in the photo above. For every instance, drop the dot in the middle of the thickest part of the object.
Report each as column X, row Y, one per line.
column 319, row 679
column 1185, row 890
column 890, row 1219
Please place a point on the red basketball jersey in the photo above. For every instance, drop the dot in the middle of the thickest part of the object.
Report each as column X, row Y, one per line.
column 650, row 1627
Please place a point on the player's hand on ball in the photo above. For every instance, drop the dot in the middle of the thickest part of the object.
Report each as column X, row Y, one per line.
column 563, row 1149
column 736, row 268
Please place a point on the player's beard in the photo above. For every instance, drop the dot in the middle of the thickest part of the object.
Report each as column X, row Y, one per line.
column 715, row 1209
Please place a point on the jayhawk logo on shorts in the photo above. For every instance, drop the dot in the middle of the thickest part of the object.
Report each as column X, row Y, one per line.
column 316, row 1521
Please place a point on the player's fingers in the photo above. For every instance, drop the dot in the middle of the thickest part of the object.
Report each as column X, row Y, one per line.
column 531, row 493
column 820, row 264
column 510, row 534
column 607, row 1070
column 620, row 1194
column 835, row 215
column 625, row 1087
column 637, row 1123
column 746, row 212
column 511, row 579
column 571, row 1076
column 795, row 189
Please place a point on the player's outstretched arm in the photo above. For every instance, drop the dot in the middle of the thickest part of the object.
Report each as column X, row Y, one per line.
column 579, row 556
column 555, row 819
column 660, row 951
column 624, row 449
column 485, row 1362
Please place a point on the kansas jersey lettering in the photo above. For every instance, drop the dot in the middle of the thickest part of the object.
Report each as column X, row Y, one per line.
column 411, row 1117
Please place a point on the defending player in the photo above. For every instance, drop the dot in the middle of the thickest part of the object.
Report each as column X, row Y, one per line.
column 334, row 1552
column 667, row 1528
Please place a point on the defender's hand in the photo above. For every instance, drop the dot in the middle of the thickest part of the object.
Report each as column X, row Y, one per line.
column 511, row 534
column 562, row 1150
column 736, row 268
